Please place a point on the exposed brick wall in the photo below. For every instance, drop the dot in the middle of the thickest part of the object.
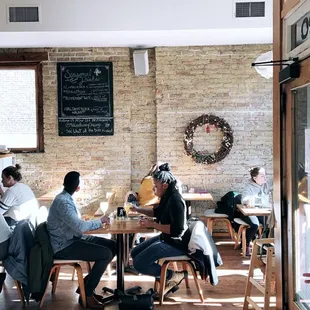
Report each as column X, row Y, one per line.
column 151, row 113
column 215, row 80
column 143, row 123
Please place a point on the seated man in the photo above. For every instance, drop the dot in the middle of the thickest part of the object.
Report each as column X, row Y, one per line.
column 66, row 230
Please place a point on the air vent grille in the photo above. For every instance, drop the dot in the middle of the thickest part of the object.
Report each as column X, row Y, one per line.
column 250, row 9
column 24, row 14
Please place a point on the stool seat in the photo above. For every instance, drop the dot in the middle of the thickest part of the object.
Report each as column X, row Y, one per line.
column 211, row 213
column 175, row 258
column 210, row 216
column 240, row 221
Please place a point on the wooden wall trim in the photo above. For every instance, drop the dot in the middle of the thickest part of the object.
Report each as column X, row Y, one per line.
column 277, row 54
column 288, row 240
column 288, row 5
column 23, row 57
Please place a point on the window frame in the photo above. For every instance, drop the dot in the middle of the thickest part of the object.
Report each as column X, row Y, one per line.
column 39, row 102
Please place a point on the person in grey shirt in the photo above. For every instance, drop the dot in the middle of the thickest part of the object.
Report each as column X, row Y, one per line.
column 66, row 228
column 256, row 191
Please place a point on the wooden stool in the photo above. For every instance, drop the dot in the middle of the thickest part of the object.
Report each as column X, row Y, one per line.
column 57, row 264
column 20, row 291
column 242, row 234
column 267, row 263
column 210, row 217
column 186, row 262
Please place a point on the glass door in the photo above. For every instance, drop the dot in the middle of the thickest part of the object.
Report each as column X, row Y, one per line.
column 300, row 226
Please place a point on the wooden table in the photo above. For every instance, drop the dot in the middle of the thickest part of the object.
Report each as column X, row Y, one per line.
column 196, row 196
column 48, row 197
column 248, row 211
column 189, row 197
column 120, row 228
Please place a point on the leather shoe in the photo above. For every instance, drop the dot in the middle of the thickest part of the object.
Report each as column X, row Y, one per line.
column 2, row 279
column 91, row 303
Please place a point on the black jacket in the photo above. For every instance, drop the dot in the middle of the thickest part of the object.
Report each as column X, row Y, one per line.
column 172, row 211
column 41, row 262
column 16, row 263
column 228, row 204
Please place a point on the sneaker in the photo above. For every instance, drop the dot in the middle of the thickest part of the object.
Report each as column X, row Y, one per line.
column 172, row 285
column 91, row 303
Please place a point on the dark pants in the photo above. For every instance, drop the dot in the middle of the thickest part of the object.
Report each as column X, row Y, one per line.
column 4, row 249
column 92, row 249
column 146, row 255
column 253, row 222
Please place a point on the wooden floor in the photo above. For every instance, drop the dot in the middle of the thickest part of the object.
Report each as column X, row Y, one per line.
column 228, row 294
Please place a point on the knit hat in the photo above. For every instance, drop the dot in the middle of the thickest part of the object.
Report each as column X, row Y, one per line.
column 146, row 192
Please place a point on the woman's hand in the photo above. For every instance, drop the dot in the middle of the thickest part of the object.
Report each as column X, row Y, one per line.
column 134, row 208
column 146, row 222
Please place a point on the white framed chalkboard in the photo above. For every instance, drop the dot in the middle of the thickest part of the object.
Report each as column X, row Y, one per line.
column 85, row 99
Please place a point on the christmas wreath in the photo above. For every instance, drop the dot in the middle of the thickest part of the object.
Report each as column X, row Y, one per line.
column 226, row 144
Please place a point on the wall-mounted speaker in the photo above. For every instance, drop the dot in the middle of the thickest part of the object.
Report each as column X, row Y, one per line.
column 141, row 62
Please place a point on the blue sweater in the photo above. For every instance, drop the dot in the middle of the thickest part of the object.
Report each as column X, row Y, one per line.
column 64, row 224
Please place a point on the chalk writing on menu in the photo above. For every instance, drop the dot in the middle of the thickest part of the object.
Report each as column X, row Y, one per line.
column 85, row 99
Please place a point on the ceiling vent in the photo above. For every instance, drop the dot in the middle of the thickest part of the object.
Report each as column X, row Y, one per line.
column 250, row 9
column 23, row 14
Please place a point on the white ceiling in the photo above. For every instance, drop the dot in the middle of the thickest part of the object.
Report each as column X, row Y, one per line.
column 136, row 39
column 135, row 23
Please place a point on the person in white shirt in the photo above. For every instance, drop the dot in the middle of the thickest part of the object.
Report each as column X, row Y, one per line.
column 18, row 202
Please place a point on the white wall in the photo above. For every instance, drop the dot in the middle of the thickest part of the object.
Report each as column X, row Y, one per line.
column 121, row 15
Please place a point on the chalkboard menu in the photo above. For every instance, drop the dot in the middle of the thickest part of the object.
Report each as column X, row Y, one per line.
column 85, row 99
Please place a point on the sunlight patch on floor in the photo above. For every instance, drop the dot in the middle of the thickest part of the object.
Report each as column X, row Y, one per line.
column 246, row 262
column 225, row 243
column 229, row 272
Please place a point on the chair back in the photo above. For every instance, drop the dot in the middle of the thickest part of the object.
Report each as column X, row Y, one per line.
column 105, row 205
column 110, row 196
column 41, row 215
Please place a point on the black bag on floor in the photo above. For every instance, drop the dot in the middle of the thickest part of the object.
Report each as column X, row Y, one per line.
column 137, row 302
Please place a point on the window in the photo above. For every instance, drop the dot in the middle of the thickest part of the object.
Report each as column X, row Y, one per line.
column 21, row 117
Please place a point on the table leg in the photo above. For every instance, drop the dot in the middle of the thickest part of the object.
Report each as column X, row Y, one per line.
column 119, row 272
column 120, row 262
column 120, row 287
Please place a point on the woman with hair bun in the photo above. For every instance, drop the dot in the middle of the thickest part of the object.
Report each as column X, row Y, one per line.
column 256, row 192
column 171, row 220
column 18, row 201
